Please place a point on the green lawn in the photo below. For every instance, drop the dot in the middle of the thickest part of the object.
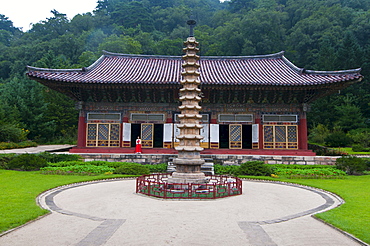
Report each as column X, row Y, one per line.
column 20, row 189
column 349, row 151
column 354, row 215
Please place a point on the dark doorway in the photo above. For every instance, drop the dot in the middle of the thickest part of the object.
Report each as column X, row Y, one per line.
column 135, row 132
column 224, row 136
column 247, row 136
column 158, row 136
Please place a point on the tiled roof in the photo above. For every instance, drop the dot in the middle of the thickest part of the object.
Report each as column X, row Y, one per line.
column 274, row 69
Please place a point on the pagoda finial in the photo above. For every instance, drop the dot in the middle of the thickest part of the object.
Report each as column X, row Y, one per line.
column 192, row 24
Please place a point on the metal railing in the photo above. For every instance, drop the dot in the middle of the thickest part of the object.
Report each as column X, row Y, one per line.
column 216, row 186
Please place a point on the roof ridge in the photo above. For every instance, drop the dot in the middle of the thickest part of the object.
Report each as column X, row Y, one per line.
column 348, row 71
column 316, row 72
column 56, row 70
column 274, row 55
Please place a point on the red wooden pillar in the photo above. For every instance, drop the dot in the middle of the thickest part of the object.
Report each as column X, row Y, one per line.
column 81, row 136
column 302, row 133
column 260, row 131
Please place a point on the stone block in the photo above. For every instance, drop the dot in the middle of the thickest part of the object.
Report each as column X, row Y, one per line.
column 271, row 162
column 222, row 157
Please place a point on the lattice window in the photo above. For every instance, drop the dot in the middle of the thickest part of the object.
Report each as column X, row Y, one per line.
column 104, row 116
column 102, row 135
column 147, row 117
column 280, row 118
column 280, row 136
column 235, row 118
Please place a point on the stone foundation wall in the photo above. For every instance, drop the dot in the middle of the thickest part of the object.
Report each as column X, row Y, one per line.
column 217, row 159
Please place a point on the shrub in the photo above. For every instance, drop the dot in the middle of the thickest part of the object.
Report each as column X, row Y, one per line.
column 338, row 139
column 132, row 169
column 226, row 170
column 322, row 173
column 157, row 168
column 26, row 162
column 77, row 170
column 12, row 145
column 255, row 168
column 359, row 148
column 4, row 159
column 12, row 133
column 54, row 158
column 351, row 165
column 65, row 163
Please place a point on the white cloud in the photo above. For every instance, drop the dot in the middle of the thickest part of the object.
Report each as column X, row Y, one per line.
column 24, row 12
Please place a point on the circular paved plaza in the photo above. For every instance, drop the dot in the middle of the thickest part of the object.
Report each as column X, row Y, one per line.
column 110, row 213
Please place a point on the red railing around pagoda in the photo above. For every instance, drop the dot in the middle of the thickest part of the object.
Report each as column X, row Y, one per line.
column 156, row 185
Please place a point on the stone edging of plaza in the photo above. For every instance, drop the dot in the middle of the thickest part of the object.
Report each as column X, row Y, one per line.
column 313, row 189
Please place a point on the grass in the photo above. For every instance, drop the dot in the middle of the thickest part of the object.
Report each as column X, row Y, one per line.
column 349, row 151
column 354, row 215
column 20, row 189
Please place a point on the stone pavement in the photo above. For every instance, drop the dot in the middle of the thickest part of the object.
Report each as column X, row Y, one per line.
column 110, row 213
column 38, row 149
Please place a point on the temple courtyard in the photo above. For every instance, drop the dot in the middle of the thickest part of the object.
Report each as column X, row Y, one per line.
column 111, row 213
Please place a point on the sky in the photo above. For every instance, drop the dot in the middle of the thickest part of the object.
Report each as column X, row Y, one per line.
column 24, row 12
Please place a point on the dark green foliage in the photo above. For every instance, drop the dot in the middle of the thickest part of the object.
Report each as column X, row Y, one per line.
column 255, row 168
column 77, row 170
column 226, row 170
column 325, row 151
column 338, row 139
column 54, row 158
column 360, row 148
column 132, row 169
column 12, row 145
column 308, row 171
column 318, row 35
column 351, row 165
column 157, row 168
column 26, row 162
column 4, row 159
column 11, row 133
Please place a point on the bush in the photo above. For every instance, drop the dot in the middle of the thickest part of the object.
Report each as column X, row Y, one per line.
column 4, row 159
column 359, row 148
column 54, row 158
column 12, row 145
column 338, row 139
column 226, row 170
column 351, row 165
column 77, row 170
column 27, row 162
column 255, row 168
column 132, row 169
column 12, row 133
column 323, row 172
column 157, row 168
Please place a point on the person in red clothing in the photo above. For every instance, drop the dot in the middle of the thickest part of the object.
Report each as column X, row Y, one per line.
column 138, row 146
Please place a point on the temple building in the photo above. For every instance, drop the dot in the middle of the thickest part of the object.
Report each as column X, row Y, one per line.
column 250, row 104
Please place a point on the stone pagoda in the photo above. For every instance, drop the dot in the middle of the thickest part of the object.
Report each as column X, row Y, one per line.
column 189, row 162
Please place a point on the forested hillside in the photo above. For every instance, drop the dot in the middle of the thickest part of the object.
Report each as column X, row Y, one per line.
column 316, row 34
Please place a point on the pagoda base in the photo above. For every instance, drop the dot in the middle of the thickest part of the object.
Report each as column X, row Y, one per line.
column 187, row 178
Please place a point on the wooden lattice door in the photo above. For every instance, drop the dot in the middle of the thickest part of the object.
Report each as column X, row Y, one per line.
column 235, row 136
column 147, row 131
